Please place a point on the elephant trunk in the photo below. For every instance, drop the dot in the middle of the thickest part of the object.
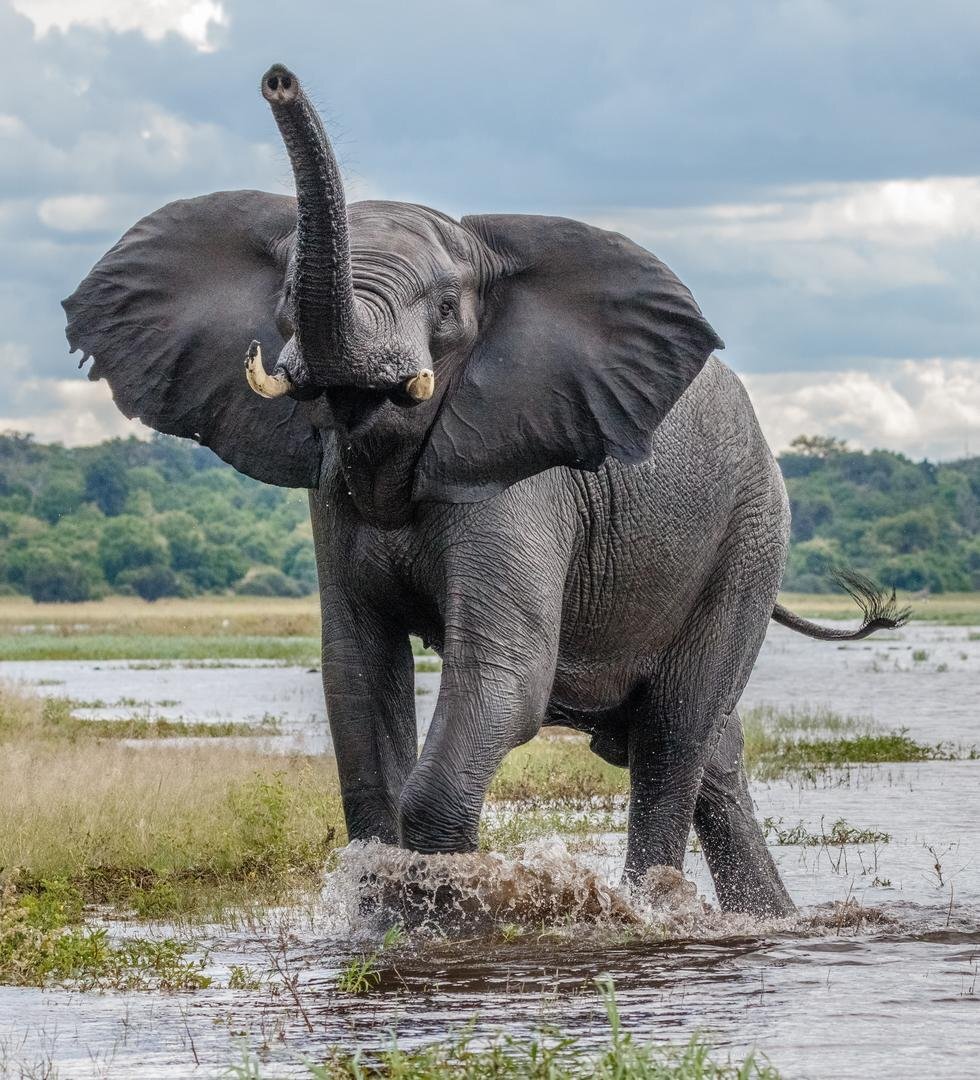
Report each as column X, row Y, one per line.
column 331, row 345
column 324, row 310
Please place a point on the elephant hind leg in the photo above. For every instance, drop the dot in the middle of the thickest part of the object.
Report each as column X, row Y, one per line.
column 742, row 867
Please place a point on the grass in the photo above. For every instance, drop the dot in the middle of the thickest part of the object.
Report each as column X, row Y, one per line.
column 42, row 942
column 363, row 974
column 210, row 617
column 841, row 834
column 179, row 829
column 201, row 829
column 127, row 628
column 779, row 744
column 955, row 609
column 56, row 718
column 558, row 767
column 507, row 831
column 549, row 1056
column 87, row 646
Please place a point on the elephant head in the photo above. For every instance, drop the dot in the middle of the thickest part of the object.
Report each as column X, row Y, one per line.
column 429, row 359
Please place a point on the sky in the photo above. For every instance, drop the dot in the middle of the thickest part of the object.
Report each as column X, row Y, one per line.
column 809, row 168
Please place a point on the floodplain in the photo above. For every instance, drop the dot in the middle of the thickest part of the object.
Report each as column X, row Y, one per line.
column 178, row 897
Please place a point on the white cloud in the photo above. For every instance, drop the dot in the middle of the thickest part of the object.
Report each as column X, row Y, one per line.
column 868, row 235
column 74, row 412
column 193, row 20
column 75, row 213
column 924, row 408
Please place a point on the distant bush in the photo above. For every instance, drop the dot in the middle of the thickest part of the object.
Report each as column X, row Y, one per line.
column 270, row 582
column 152, row 582
column 53, row 579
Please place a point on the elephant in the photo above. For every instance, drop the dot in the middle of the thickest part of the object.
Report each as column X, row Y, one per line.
column 519, row 446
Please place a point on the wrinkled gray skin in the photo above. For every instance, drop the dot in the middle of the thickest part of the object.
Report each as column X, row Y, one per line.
column 584, row 520
column 630, row 603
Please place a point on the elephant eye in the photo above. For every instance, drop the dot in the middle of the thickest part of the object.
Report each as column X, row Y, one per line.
column 447, row 306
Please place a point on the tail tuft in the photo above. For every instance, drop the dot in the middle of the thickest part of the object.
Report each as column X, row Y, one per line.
column 880, row 611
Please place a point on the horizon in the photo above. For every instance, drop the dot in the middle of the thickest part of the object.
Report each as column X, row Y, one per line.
column 142, row 434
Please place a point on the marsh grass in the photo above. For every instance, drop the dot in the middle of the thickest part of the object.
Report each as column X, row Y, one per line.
column 363, row 974
column 512, row 826
column 794, row 742
column 127, row 628
column 206, row 829
column 57, row 718
column 172, row 830
column 42, row 942
column 550, row 1055
column 840, row 834
column 558, row 766
column 160, row 647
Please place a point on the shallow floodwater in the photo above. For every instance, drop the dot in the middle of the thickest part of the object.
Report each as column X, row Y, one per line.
column 826, row 995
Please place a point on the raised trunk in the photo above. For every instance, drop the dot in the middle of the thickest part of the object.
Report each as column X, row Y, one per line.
column 324, row 312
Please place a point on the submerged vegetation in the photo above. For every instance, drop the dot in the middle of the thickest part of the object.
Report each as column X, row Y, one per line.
column 58, row 718
column 549, row 1056
column 804, row 742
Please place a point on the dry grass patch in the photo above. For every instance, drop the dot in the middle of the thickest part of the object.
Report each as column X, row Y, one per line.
column 558, row 766
column 211, row 616
column 161, row 829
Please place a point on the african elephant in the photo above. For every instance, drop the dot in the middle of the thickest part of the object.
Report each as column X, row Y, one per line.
column 518, row 446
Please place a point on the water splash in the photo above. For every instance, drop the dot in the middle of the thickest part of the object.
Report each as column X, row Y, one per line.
column 545, row 888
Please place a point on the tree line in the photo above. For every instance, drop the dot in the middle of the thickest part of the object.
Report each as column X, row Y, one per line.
column 167, row 518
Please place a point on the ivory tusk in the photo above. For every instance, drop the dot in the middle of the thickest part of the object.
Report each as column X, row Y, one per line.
column 265, row 385
column 421, row 386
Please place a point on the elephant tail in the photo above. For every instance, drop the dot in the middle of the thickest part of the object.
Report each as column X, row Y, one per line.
column 879, row 611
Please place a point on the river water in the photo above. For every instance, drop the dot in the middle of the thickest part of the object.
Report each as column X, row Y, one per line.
column 831, row 994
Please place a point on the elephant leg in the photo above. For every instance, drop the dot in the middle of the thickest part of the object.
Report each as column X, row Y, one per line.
column 670, row 740
column 369, row 682
column 742, row 868
column 676, row 719
column 497, row 676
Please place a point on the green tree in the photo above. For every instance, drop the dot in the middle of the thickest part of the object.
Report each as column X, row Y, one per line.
column 130, row 543
column 61, row 496
column 106, row 481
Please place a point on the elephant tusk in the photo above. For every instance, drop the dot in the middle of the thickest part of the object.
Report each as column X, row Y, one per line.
column 421, row 386
column 265, row 385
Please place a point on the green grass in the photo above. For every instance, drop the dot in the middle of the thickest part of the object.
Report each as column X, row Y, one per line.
column 841, row 834
column 558, row 767
column 506, row 832
column 779, row 744
column 363, row 974
column 179, row 829
column 549, row 1056
column 47, row 646
column 43, row 942
column 57, row 718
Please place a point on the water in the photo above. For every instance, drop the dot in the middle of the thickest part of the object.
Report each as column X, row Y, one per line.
column 830, row 994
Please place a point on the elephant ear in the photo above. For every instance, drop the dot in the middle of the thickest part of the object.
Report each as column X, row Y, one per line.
column 168, row 315
column 587, row 343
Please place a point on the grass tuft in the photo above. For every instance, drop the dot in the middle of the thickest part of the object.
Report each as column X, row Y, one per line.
column 549, row 1056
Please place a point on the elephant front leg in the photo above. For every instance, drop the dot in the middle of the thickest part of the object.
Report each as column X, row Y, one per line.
column 369, row 682
column 488, row 704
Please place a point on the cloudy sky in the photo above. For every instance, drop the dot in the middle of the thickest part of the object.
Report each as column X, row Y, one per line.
column 810, row 168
